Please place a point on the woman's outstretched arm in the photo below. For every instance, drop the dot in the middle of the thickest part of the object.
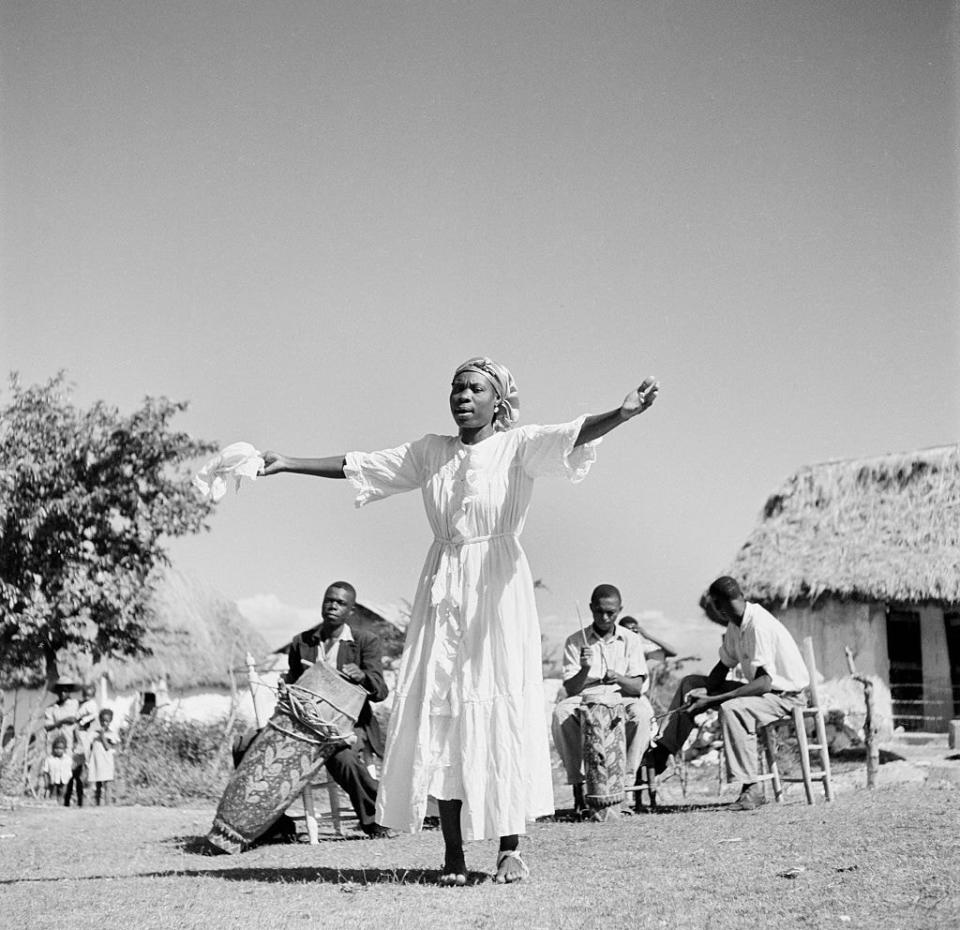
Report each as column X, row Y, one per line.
column 638, row 400
column 330, row 466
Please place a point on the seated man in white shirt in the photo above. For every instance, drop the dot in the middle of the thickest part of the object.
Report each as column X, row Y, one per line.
column 774, row 678
column 602, row 662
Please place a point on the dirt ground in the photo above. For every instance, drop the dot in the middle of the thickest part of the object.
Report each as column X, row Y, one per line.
column 888, row 859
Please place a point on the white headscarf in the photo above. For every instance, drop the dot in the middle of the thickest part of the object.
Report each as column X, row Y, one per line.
column 507, row 412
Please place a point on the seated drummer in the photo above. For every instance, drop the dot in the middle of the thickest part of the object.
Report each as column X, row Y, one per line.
column 602, row 663
column 357, row 655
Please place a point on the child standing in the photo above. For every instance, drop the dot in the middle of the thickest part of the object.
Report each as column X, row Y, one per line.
column 102, row 751
column 82, row 738
column 57, row 768
column 87, row 711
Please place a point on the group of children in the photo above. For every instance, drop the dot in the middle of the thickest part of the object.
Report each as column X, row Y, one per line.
column 82, row 745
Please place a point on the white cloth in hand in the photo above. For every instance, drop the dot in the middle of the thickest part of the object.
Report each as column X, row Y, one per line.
column 239, row 460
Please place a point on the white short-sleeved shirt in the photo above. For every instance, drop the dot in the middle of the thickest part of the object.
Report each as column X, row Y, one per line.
column 762, row 640
column 622, row 653
column 59, row 769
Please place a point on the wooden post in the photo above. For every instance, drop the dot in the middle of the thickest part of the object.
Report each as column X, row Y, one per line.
column 253, row 680
column 953, row 737
column 870, row 728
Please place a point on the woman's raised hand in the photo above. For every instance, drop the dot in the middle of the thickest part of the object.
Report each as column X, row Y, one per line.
column 640, row 398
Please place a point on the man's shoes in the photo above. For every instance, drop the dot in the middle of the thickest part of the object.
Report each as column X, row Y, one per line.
column 751, row 797
column 377, row 832
column 657, row 757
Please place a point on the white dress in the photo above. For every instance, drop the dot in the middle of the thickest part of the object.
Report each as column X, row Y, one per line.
column 102, row 752
column 468, row 721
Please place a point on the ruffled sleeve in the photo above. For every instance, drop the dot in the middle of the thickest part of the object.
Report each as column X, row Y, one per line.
column 548, row 451
column 377, row 475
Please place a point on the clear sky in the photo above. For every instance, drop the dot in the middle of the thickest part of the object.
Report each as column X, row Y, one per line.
column 300, row 216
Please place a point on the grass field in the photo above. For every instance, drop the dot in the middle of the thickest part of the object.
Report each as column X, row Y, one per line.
column 887, row 859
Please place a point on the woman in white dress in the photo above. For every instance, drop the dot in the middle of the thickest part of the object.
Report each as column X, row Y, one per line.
column 468, row 725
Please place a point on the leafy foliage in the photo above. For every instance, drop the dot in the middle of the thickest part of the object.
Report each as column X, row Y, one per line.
column 169, row 761
column 87, row 497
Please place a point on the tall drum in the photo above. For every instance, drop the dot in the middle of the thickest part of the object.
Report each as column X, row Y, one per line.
column 604, row 756
column 314, row 718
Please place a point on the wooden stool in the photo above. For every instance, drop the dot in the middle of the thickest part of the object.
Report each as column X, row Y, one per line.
column 798, row 718
column 766, row 736
column 338, row 810
column 340, row 807
column 646, row 782
column 769, row 771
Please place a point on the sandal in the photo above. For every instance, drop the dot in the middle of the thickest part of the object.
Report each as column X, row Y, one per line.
column 502, row 857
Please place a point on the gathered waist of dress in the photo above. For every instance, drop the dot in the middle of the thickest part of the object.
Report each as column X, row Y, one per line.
column 471, row 540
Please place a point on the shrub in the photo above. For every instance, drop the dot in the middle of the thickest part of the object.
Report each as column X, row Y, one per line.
column 171, row 762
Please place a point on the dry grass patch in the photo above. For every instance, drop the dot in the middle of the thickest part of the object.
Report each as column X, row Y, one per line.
column 887, row 859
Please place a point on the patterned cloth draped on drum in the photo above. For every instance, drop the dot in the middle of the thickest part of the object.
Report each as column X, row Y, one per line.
column 604, row 752
column 314, row 718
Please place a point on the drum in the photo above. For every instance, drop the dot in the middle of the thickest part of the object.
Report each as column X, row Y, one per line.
column 604, row 755
column 314, row 718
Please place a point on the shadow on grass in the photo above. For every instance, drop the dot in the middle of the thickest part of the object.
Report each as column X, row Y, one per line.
column 195, row 845
column 859, row 754
column 201, row 846
column 571, row 816
column 350, row 878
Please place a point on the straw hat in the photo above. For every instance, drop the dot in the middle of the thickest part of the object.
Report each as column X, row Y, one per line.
column 65, row 683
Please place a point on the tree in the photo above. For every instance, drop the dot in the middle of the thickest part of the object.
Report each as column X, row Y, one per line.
column 87, row 499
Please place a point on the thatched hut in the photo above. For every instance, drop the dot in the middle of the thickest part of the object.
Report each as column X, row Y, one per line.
column 197, row 643
column 865, row 553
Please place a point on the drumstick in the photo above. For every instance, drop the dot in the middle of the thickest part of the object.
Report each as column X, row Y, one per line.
column 670, row 713
column 583, row 629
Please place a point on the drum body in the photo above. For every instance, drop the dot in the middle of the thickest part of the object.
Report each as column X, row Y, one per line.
column 315, row 720
column 604, row 753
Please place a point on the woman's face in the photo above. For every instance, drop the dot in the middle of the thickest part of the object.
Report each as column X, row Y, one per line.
column 473, row 400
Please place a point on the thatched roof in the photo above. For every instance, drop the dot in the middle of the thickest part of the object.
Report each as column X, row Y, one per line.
column 884, row 529
column 196, row 636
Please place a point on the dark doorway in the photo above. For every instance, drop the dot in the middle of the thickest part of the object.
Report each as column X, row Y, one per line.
column 906, row 668
column 951, row 622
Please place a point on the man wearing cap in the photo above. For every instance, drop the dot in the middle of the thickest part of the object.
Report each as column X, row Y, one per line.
column 60, row 719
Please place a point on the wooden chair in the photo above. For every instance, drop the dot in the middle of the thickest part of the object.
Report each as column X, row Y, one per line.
column 767, row 741
column 339, row 803
column 646, row 784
